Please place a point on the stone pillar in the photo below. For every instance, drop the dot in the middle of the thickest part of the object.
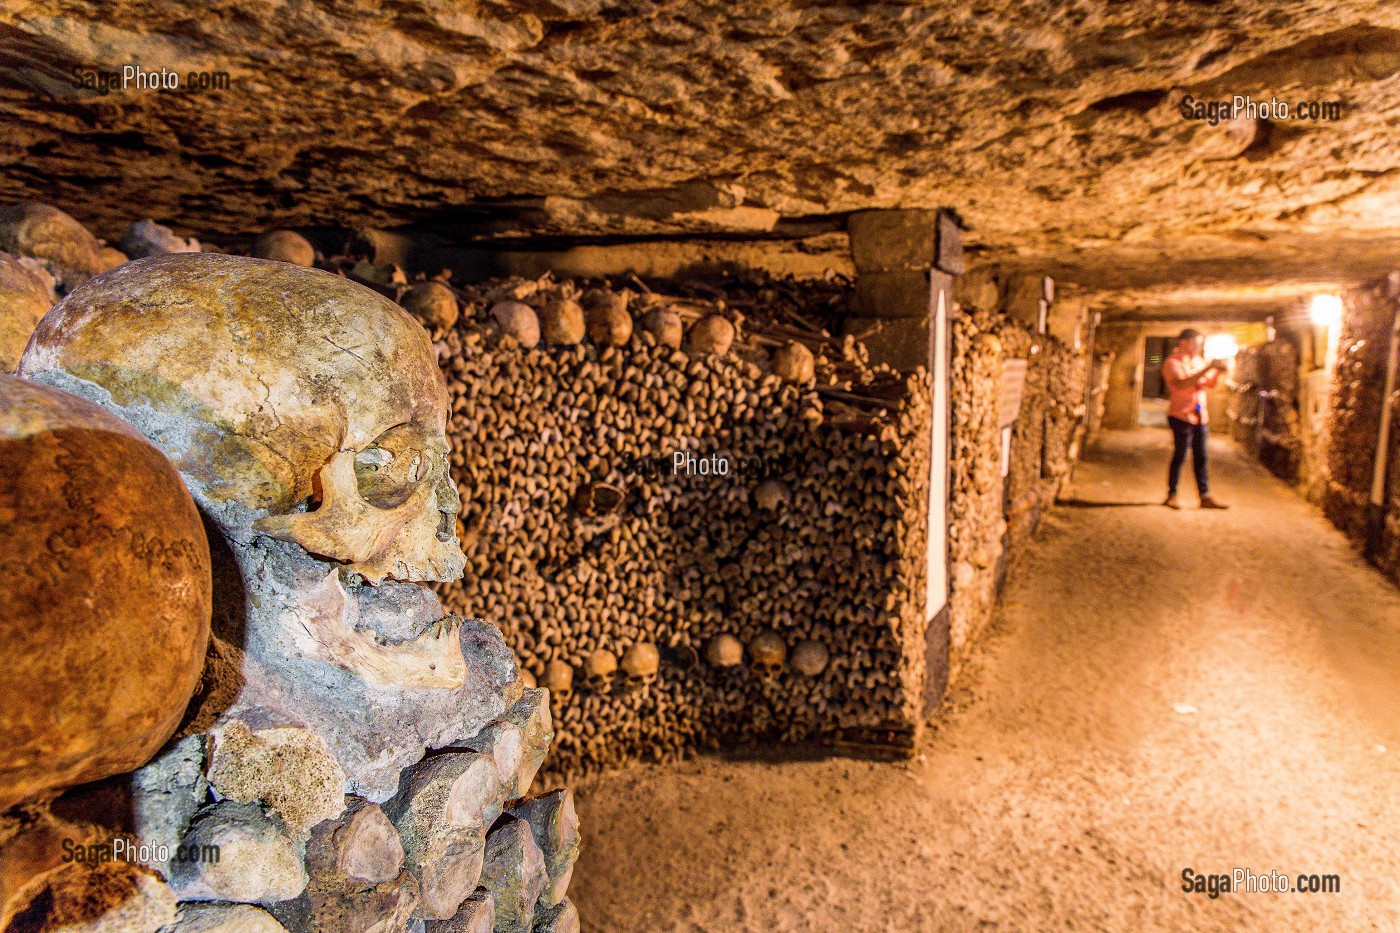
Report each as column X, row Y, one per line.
column 905, row 262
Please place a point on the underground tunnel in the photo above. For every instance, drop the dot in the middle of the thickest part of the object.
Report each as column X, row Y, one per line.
column 784, row 466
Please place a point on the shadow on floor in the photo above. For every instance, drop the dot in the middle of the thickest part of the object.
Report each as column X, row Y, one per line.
column 1089, row 504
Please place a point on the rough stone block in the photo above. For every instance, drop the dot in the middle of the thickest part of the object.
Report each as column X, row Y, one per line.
column 882, row 240
column 476, row 915
column 166, row 794
column 257, row 861
column 290, row 768
column 562, row 918
column 362, row 844
column 554, row 825
column 897, row 294
column 337, row 905
column 902, row 342
column 515, row 875
column 224, row 918
column 441, row 813
column 518, row 741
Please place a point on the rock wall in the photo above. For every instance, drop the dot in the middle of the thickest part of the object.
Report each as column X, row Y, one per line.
column 1358, row 394
column 691, row 548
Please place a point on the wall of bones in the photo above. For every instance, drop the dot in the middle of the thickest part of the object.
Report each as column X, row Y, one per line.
column 698, row 521
column 689, row 518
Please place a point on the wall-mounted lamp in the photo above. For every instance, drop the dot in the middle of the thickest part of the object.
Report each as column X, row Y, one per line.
column 1326, row 310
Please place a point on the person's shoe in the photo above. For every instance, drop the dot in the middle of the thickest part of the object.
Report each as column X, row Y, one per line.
column 1208, row 503
column 1172, row 502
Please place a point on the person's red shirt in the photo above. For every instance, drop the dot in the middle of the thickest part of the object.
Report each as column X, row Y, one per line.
column 1187, row 381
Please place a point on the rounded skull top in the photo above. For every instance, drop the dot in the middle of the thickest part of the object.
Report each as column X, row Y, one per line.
column 296, row 404
column 47, row 233
column 104, row 615
column 26, row 295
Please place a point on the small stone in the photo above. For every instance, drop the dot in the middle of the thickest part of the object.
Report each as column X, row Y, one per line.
column 476, row 915
column 514, row 873
column 257, row 862
column 224, row 918
column 289, row 768
column 554, row 825
column 562, row 918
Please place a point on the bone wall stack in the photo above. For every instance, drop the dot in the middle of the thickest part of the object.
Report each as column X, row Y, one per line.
column 761, row 577
column 998, row 497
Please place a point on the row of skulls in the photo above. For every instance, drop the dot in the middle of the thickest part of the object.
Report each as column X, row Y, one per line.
column 641, row 663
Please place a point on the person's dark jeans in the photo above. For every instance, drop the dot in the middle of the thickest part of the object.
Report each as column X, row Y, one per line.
column 1185, row 434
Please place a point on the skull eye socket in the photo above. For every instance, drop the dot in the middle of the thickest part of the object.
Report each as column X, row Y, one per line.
column 390, row 469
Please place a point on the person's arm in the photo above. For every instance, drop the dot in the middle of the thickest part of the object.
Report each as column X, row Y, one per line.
column 1213, row 371
column 1174, row 372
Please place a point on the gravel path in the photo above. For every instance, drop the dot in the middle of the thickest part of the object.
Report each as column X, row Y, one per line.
column 1161, row 690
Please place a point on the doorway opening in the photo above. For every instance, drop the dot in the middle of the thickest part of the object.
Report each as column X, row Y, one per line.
column 1153, row 409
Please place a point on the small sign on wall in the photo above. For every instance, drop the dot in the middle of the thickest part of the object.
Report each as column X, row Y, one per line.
column 1013, row 388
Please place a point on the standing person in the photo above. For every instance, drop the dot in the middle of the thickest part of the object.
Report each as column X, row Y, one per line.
column 1188, row 376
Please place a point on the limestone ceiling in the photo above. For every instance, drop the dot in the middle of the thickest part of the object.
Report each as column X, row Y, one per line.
column 1055, row 130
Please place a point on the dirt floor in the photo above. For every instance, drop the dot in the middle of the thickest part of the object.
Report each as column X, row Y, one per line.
column 1162, row 690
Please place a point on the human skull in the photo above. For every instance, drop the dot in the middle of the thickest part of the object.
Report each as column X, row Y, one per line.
column 561, row 322
column 810, row 658
column 609, row 324
column 665, row 325
column 766, row 655
column 724, row 651
column 713, row 333
column 599, row 670
column 794, row 363
column 289, row 396
column 559, row 680
column 641, row 662
column 285, row 246
column 772, row 495
column 48, row 234
column 517, row 319
column 26, row 294
column 433, row 303
column 104, row 615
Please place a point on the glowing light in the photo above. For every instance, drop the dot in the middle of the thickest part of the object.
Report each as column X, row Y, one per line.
column 1326, row 310
column 1221, row 347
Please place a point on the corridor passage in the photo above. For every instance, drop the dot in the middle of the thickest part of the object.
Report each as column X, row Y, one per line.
column 1162, row 690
